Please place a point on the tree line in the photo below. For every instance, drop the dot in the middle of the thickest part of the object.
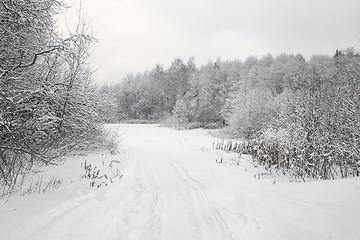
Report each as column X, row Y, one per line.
column 292, row 113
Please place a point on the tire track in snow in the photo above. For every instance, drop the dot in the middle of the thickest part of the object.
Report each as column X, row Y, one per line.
column 131, row 210
column 177, row 206
column 162, row 180
column 204, row 216
column 140, row 217
column 151, row 228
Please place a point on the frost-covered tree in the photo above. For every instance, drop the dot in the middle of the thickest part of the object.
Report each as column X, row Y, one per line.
column 46, row 94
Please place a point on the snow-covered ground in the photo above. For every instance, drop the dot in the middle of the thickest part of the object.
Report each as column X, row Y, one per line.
column 167, row 184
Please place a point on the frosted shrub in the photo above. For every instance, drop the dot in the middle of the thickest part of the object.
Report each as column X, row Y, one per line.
column 306, row 142
column 48, row 104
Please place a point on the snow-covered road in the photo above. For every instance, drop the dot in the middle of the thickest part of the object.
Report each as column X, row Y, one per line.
column 172, row 188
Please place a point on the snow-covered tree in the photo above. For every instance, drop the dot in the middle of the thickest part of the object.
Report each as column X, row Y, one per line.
column 46, row 106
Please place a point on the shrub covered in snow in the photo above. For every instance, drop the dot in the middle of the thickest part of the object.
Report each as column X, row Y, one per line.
column 48, row 103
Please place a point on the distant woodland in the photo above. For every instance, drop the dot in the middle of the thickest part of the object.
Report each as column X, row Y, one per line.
column 289, row 112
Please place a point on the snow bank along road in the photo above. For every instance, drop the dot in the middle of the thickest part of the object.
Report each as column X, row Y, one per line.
column 172, row 188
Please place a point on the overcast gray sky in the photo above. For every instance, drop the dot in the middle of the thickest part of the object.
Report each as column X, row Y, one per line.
column 135, row 35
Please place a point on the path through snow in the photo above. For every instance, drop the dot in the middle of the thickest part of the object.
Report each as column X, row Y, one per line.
column 172, row 188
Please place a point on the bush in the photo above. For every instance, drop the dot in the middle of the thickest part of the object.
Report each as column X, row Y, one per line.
column 48, row 104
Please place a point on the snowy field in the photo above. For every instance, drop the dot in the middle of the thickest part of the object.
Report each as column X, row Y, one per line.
column 167, row 184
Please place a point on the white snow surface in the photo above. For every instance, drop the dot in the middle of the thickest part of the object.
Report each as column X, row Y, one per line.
column 173, row 188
